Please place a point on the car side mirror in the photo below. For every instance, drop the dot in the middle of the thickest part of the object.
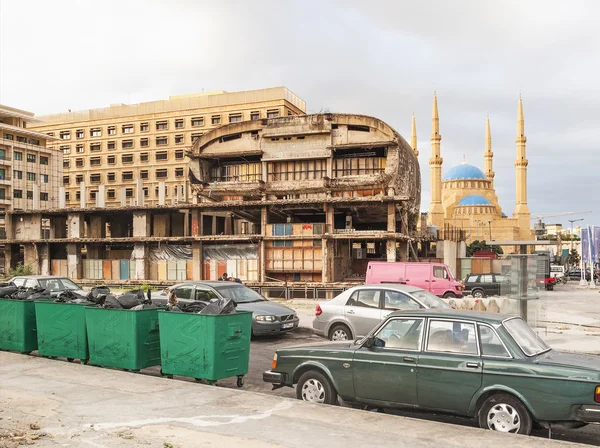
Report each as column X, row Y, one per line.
column 372, row 341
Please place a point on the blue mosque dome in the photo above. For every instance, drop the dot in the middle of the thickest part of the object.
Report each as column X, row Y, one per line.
column 473, row 199
column 464, row 171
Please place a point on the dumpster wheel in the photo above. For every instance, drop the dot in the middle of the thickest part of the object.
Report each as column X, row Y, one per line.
column 240, row 381
column 84, row 361
column 70, row 359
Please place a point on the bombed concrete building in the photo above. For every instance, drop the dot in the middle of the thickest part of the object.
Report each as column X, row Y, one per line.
column 297, row 199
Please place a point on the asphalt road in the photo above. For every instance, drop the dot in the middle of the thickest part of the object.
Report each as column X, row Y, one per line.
column 261, row 355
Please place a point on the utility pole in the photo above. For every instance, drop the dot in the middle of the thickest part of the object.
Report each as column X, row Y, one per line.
column 572, row 235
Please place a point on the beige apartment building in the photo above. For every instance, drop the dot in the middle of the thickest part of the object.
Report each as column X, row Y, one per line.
column 30, row 172
column 114, row 147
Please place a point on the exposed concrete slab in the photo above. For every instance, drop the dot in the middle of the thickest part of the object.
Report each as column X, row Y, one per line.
column 89, row 406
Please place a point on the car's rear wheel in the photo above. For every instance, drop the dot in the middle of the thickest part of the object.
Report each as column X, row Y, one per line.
column 314, row 387
column 478, row 293
column 505, row 413
column 340, row 332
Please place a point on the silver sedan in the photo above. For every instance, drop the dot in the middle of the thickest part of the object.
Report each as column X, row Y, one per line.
column 358, row 310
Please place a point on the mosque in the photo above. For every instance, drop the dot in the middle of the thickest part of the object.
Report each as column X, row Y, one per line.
column 465, row 198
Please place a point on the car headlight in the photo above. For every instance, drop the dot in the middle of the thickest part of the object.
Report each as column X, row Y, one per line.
column 265, row 318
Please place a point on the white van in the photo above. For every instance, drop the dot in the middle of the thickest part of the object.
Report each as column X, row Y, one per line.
column 558, row 272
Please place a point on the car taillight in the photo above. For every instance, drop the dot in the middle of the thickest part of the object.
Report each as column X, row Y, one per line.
column 318, row 311
column 597, row 395
column 274, row 363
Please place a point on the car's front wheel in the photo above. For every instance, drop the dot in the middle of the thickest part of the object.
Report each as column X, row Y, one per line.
column 478, row 293
column 449, row 295
column 505, row 413
column 340, row 332
column 314, row 387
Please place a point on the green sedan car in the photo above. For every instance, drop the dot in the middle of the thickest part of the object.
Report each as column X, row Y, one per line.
column 487, row 366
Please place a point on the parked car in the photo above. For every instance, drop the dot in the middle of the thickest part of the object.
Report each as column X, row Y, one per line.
column 433, row 277
column 52, row 283
column 487, row 366
column 483, row 285
column 358, row 310
column 268, row 317
column 575, row 274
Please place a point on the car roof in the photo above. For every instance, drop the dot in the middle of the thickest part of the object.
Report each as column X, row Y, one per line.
column 39, row 276
column 395, row 286
column 211, row 283
column 444, row 313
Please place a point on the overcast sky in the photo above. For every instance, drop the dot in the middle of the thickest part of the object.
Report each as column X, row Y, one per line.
column 381, row 58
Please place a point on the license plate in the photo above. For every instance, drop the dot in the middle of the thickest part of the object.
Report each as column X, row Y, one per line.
column 288, row 325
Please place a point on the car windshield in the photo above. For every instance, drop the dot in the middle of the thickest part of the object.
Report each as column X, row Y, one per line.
column 523, row 334
column 54, row 284
column 428, row 299
column 239, row 293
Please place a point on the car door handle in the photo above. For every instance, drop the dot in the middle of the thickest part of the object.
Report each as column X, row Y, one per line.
column 473, row 365
column 408, row 359
column 427, row 281
column 350, row 311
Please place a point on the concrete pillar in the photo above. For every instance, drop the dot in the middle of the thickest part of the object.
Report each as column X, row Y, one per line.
column 97, row 227
column 179, row 193
column 9, row 226
column 214, row 225
column 140, row 258
column 391, row 215
column 62, row 197
column 74, row 261
column 123, row 197
column 229, row 224
column 36, row 197
column 161, row 193
column 329, row 219
column 75, row 225
column 186, row 223
column 139, row 192
column 403, row 254
column 327, row 272
column 82, row 192
column 197, row 262
column 101, row 197
column 262, row 250
column 30, row 258
column 391, row 250
column 196, row 222
column 142, row 224
column 11, row 252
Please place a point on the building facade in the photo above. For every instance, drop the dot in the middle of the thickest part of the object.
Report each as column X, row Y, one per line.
column 295, row 200
column 119, row 146
column 465, row 198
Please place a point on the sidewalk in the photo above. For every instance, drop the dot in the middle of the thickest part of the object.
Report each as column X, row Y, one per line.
column 85, row 406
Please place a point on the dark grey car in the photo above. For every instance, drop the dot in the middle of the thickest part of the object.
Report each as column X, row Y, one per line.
column 267, row 317
column 52, row 283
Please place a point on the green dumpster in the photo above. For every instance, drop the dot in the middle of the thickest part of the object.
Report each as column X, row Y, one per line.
column 202, row 346
column 124, row 339
column 17, row 325
column 61, row 330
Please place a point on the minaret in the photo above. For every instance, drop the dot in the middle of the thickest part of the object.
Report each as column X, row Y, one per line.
column 413, row 136
column 521, row 208
column 436, row 212
column 489, row 155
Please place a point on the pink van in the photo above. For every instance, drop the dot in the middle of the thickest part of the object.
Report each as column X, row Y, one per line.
column 433, row 277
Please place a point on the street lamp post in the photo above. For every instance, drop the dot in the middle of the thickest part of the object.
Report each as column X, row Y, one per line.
column 490, row 224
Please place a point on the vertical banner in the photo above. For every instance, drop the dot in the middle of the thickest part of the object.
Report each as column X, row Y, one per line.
column 597, row 243
column 585, row 246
